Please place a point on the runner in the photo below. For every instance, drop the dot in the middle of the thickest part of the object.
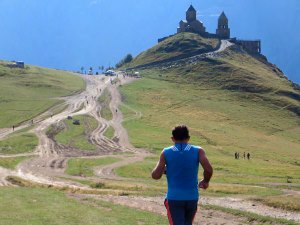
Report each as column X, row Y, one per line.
column 180, row 162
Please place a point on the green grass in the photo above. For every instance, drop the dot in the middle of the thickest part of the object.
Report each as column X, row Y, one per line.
column 127, row 112
column 84, row 167
column 20, row 142
column 11, row 163
column 26, row 93
column 287, row 202
column 109, row 133
column 76, row 135
column 37, row 206
column 104, row 101
column 222, row 122
column 177, row 46
column 137, row 170
column 251, row 216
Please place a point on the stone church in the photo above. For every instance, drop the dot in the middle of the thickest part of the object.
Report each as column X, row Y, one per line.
column 193, row 25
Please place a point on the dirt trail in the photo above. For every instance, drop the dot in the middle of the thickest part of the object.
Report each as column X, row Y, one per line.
column 49, row 165
column 155, row 205
column 52, row 156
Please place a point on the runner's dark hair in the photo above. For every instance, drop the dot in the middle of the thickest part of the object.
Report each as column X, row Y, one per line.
column 180, row 133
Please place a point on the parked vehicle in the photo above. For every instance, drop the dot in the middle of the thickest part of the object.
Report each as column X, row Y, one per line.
column 110, row 73
column 76, row 122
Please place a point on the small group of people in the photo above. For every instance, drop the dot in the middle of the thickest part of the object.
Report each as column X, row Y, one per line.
column 31, row 122
column 237, row 155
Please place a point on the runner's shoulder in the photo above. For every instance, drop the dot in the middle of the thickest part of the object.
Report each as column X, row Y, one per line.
column 197, row 148
column 168, row 149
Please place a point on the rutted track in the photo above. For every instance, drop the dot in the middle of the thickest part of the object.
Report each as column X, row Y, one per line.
column 52, row 156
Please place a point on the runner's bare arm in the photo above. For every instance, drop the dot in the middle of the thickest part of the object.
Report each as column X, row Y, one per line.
column 159, row 170
column 208, row 170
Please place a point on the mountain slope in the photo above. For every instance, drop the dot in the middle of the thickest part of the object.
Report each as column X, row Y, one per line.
column 232, row 69
column 232, row 102
column 25, row 93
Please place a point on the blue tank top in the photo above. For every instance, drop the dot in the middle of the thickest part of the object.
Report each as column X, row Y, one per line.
column 182, row 162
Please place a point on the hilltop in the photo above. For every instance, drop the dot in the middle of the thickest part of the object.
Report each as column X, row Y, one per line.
column 179, row 46
column 190, row 58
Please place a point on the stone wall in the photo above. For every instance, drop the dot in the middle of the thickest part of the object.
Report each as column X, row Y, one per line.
column 251, row 46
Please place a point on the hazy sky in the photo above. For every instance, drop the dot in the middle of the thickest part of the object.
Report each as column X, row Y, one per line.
column 68, row 34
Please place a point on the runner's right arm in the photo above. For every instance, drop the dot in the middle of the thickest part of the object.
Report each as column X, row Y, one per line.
column 159, row 170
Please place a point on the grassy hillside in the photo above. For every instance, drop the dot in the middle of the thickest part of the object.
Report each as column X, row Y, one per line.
column 75, row 136
column 232, row 103
column 104, row 101
column 84, row 167
column 233, row 69
column 45, row 206
column 11, row 163
column 180, row 45
column 220, row 120
column 20, row 142
column 25, row 93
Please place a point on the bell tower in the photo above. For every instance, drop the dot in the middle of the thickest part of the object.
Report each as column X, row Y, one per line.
column 191, row 14
column 223, row 30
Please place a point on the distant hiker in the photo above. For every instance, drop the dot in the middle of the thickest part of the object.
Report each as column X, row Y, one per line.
column 32, row 122
column 180, row 162
column 116, row 110
column 235, row 155
column 248, row 156
column 244, row 155
column 238, row 155
column 13, row 127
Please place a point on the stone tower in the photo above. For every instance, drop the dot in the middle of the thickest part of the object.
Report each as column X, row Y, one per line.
column 191, row 24
column 191, row 14
column 223, row 30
